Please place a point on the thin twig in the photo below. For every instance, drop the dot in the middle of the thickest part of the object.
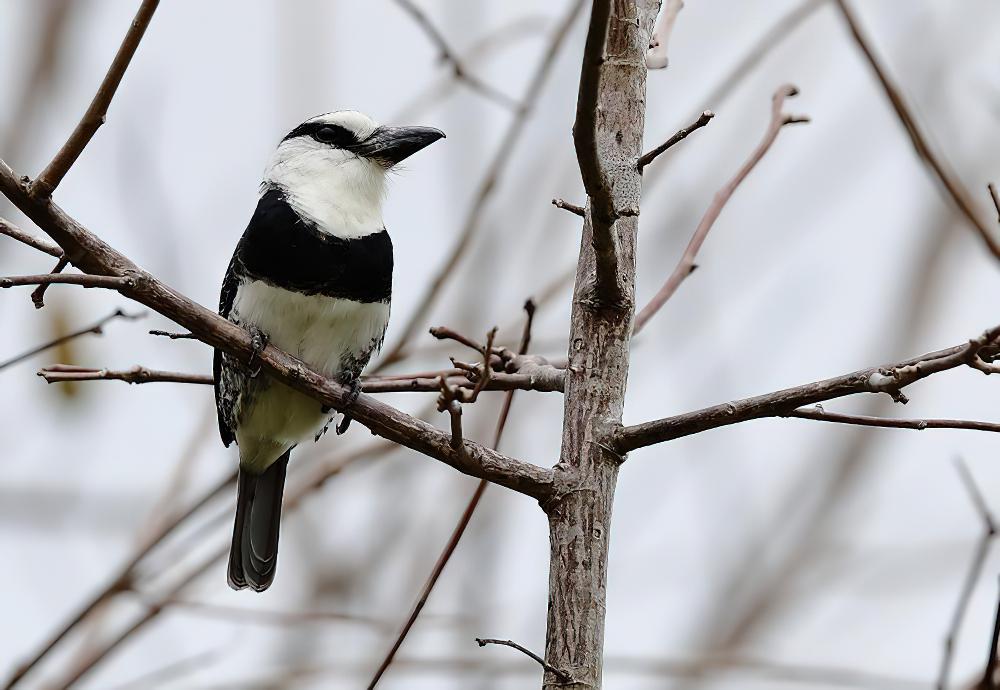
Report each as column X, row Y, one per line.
column 96, row 329
column 487, row 187
column 656, row 56
column 889, row 379
column 821, row 415
column 562, row 675
column 63, row 373
column 119, row 582
column 539, row 378
column 155, row 607
column 989, row 675
column 463, row 522
column 84, row 280
column 972, row 574
column 686, row 264
column 10, row 230
column 937, row 164
column 681, row 134
column 449, row 56
column 38, row 294
column 996, row 198
column 567, row 206
column 96, row 113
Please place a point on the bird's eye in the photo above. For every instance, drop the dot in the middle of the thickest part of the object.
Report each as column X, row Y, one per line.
column 327, row 135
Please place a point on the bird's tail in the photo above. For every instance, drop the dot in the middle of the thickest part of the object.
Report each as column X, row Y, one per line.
column 254, row 554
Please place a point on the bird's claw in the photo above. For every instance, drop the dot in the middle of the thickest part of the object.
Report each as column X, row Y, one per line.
column 352, row 397
column 258, row 341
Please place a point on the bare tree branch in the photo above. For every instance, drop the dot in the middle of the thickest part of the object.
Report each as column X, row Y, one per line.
column 38, row 294
column 449, row 56
column 488, row 185
column 119, row 582
column 96, row 329
column 91, row 254
column 119, row 283
column 544, row 378
column 944, row 174
column 996, row 198
column 656, row 56
column 681, row 134
column 470, row 508
column 14, row 232
column 561, row 675
column 989, row 681
column 889, row 379
column 972, row 575
column 572, row 208
column 819, row 414
column 63, row 373
column 54, row 172
column 686, row 264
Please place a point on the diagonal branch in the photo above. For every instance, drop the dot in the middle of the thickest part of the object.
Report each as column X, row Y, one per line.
column 10, row 230
column 889, row 379
column 38, row 294
column 995, row 197
column 56, row 170
column 96, row 329
column 681, row 134
column 560, row 674
column 686, row 264
column 487, row 187
column 91, row 254
column 464, row 520
column 449, row 56
column 947, row 177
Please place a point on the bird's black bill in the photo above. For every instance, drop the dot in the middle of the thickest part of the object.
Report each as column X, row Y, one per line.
column 390, row 145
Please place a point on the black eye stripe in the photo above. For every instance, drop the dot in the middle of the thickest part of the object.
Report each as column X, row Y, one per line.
column 334, row 135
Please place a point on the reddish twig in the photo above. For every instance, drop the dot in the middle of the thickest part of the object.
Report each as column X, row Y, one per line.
column 96, row 113
column 562, row 675
column 463, row 522
column 819, row 414
column 656, row 56
column 937, row 164
column 96, row 329
column 681, row 134
column 686, row 264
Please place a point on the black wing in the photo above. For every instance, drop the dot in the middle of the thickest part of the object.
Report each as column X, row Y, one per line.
column 224, row 399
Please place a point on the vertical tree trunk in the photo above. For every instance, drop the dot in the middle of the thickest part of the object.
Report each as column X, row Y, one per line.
column 580, row 519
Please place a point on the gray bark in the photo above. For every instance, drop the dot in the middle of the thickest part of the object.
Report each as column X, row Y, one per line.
column 580, row 517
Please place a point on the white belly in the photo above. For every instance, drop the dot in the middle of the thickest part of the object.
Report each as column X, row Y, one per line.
column 321, row 331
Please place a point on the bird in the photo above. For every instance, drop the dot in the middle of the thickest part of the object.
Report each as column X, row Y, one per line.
column 311, row 275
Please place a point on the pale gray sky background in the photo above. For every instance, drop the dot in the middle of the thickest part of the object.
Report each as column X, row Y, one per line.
column 786, row 543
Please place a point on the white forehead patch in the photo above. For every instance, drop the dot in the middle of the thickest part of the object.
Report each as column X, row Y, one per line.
column 352, row 120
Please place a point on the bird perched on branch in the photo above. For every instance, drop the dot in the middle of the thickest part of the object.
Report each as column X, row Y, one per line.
column 312, row 275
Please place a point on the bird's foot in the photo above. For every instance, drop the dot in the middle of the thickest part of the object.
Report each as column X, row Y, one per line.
column 352, row 397
column 258, row 341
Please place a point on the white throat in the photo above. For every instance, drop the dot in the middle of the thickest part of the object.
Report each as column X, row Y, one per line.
column 338, row 191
